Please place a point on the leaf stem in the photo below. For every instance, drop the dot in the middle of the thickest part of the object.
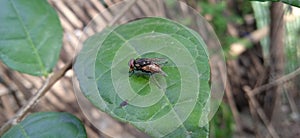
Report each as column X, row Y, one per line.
column 50, row 81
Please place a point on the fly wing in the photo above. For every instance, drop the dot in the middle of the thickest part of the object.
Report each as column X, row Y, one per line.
column 159, row 61
column 148, row 61
column 143, row 62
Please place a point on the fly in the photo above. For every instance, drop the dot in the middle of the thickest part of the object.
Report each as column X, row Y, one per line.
column 147, row 65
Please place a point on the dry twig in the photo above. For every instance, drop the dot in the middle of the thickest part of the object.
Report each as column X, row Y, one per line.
column 279, row 81
column 233, row 108
column 272, row 96
column 260, row 112
column 46, row 86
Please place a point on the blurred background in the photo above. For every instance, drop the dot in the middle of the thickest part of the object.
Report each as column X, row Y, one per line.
column 260, row 41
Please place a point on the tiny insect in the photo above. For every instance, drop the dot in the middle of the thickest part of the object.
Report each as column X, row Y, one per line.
column 147, row 65
column 124, row 103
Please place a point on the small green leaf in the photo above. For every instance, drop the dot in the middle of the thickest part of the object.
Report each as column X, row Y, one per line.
column 171, row 106
column 48, row 124
column 31, row 36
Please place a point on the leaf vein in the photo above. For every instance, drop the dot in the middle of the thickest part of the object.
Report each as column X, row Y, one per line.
column 29, row 39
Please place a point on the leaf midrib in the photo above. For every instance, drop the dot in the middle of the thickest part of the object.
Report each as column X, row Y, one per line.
column 38, row 57
column 166, row 98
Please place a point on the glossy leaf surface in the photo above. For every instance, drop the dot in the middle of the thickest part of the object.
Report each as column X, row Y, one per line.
column 31, row 36
column 171, row 106
column 48, row 124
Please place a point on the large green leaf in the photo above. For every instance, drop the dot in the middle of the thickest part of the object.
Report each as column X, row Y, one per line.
column 46, row 125
column 289, row 2
column 31, row 36
column 160, row 106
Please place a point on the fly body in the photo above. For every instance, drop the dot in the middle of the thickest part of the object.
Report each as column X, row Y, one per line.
column 147, row 65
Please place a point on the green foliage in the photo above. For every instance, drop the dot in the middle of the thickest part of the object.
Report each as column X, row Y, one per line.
column 292, row 44
column 171, row 106
column 219, row 22
column 216, row 11
column 222, row 124
column 246, row 7
column 262, row 18
column 31, row 36
column 48, row 124
column 289, row 2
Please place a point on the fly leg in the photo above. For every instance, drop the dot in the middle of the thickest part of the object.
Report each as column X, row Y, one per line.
column 131, row 73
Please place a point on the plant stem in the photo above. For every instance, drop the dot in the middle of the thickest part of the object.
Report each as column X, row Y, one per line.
column 50, row 81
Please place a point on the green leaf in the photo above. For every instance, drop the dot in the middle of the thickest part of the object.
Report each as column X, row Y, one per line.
column 292, row 45
column 31, row 36
column 48, row 124
column 262, row 18
column 289, row 2
column 171, row 106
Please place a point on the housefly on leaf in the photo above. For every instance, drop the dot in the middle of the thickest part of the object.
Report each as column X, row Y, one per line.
column 147, row 65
